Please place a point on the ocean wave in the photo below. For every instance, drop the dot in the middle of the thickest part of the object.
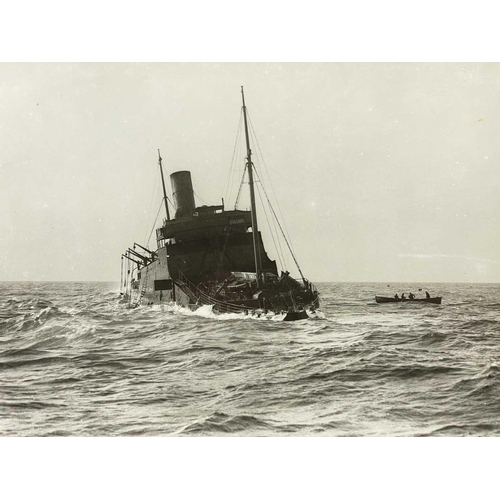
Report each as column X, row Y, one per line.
column 431, row 338
column 483, row 385
column 31, row 321
column 35, row 359
column 222, row 423
column 200, row 348
column 480, row 325
column 28, row 405
column 103, row 369
column 466, row 429
column 362, row 371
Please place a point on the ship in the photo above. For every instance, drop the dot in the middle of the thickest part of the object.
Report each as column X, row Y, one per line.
column 212, row 256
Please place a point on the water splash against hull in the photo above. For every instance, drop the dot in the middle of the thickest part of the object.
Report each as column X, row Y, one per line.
column 76, row 361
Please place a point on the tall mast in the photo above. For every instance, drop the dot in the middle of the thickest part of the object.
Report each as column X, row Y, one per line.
column 163, row 184
column 255, row 229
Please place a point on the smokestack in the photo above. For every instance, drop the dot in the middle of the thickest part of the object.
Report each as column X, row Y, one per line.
column 182, row 190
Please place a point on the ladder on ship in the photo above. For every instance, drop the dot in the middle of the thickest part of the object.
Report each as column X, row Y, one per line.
column 138, row 299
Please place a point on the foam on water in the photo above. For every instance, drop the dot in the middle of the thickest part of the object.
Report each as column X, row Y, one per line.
column 74, row 360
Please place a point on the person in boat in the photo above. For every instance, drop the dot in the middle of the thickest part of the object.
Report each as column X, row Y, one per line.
column 411, row 296
column 427, row 296
column 396, row 296
column 403, row 296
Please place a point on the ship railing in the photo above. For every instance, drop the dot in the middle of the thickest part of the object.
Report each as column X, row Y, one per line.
column 186, row 286
column 204, row 299
column 221, row 306
column 308, row 284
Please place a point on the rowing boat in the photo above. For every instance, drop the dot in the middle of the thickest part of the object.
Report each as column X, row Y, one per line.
column 386, row 300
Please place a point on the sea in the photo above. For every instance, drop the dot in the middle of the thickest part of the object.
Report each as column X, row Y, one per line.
column 75, row 361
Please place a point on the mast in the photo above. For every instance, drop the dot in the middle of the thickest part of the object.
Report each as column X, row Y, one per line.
column 255, row 229
column 163, row 184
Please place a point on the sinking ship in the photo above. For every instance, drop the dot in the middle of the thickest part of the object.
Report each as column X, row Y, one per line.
column 208, row 255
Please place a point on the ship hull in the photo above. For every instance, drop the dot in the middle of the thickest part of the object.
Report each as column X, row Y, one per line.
column 207, row 255
column 157, row 286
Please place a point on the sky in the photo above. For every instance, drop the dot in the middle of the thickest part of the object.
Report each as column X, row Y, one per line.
column 381, row 171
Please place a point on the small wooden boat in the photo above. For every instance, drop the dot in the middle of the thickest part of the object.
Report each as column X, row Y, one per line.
column 386, row 300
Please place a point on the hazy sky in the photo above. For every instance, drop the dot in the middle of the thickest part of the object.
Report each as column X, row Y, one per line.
column 383, row 172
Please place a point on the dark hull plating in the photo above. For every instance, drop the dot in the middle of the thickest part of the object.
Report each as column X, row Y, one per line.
column 209, row 260
column 207, row 255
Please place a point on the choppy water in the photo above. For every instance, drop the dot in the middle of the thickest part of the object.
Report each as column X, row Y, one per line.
column 75, row 361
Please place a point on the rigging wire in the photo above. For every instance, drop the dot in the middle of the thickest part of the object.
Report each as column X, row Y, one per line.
column 283, row 233
column 151, row 204
column 121, row 275
column 164, row 189
column 154, row 224
column 275, row 229
column 239, row 190
column 270, row 230
column 232, row 171
column 239, row 162
column 273, row 211
column 286, row 236
column 127, row 282
column 171, row 203
column 254, row 135
column 199, row 197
